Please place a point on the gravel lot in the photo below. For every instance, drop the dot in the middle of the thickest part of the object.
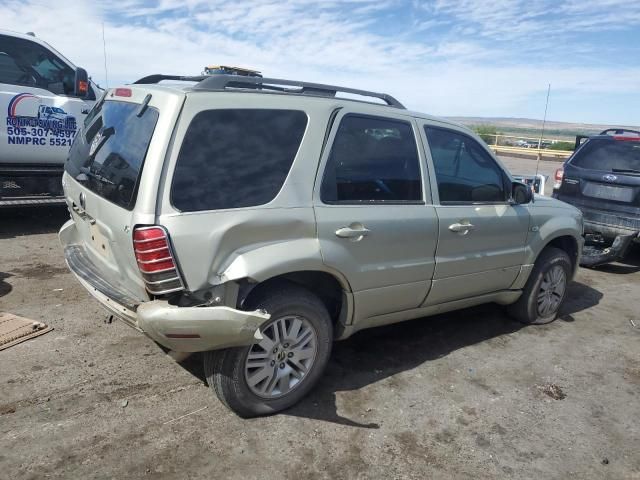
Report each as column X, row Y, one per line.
column 461, row 395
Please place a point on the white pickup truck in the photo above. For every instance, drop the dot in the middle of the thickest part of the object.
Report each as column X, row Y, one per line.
column 43, row 98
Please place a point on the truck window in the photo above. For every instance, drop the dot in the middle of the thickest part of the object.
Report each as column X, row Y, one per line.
column 23, row 62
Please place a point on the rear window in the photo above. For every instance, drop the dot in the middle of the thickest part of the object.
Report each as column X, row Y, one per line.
column 232, row 158
column 107, row 156
column 608, row 155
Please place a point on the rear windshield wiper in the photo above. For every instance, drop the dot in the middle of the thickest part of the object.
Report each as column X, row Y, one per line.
column 97, row 176
column 626, row 170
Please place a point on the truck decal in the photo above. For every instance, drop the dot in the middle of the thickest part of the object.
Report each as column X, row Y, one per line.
column 31, row 122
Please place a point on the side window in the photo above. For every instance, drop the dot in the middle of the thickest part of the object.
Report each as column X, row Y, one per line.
column 232, row 158
column 23, row 62
column 372, row 160
column 465, row 172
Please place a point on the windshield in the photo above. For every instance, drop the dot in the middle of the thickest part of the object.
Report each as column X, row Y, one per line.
column 57, row 110
column 608, row 155
column 107, row 156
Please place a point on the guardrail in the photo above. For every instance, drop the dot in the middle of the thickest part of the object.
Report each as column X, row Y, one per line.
column 502, row 144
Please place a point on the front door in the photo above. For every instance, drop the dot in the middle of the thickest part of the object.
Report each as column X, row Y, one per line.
column 481, row 234
column 374, row 223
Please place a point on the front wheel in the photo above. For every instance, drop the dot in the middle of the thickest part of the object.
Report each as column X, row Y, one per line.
column 545, row 290
column 277, row 371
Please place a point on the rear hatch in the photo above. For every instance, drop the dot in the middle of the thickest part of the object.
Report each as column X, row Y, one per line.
column 123, row 136
column 603, row 180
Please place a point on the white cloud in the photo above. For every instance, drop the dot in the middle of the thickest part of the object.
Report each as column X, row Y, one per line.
column 343, row 42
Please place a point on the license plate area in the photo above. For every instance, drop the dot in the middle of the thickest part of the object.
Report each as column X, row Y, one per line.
column 608, row 192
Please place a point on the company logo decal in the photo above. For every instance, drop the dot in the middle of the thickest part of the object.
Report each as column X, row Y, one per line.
column 30, row 121
column 609, row 177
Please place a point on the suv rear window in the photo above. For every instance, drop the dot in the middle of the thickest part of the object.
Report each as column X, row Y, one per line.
column 107, row 156
column 232, row 158
column 608, row 155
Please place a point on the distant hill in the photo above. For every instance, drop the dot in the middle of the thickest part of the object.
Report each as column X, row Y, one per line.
column 530, row 126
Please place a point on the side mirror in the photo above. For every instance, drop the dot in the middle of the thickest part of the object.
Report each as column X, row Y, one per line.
column 81, row 84
column 521, row 193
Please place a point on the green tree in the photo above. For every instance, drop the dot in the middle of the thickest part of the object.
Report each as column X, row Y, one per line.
column 487, row 133
column 562, row 146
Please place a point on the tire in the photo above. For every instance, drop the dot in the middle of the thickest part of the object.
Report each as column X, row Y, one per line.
column 228, row 371
column 530, row 308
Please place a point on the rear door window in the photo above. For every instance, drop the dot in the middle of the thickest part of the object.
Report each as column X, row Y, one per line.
column 107, row 157
column 373, row 159
column 609, row 155
column 233, row 158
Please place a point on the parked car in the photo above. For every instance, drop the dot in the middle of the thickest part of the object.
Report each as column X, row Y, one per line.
column 602, row 179
column 261, row 222
column 44, row 96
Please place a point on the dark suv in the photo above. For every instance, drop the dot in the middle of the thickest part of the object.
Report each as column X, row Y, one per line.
column 602, row 178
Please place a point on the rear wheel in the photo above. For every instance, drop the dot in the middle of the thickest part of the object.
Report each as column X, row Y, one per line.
column 545, row 290
column 276, row 372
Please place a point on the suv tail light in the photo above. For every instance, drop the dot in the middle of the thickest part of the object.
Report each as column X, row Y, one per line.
column 156, row 261
column 558, row 178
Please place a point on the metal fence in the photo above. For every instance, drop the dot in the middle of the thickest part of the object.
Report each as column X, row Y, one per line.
column 526, row 146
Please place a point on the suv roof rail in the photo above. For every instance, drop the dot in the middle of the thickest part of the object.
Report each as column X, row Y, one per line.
column 157, row 78
column 618, row 131
column 222, row 82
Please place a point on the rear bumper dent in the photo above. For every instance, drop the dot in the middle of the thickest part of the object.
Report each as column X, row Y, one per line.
column 187, row 329
column 198, row 329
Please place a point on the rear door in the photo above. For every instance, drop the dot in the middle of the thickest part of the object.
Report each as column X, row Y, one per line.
column 373, row 211
column 481, row 235
column 104, row 182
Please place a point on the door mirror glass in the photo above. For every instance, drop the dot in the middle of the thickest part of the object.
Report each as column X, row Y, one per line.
column 521, row 193
column 81, row 83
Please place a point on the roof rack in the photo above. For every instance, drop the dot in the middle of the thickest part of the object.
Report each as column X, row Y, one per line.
column 157, row 78
column 222, row 82
column 618, row 131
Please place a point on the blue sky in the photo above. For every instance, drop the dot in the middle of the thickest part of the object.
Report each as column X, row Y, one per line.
column 466, row 57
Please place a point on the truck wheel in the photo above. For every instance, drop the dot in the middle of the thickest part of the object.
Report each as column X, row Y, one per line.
column 276, row 372
column 545, row 290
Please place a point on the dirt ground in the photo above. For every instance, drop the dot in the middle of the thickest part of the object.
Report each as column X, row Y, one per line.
column 469, row 394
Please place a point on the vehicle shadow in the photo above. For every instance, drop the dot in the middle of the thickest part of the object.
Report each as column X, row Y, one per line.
column 5, row 287
column 579, row 297
column 373, row 355
column 16, row 222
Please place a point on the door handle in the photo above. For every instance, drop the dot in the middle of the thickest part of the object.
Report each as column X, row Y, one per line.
column 462, row 228
column 353, row 231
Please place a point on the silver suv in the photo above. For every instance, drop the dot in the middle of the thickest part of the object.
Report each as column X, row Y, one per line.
column 258, row 220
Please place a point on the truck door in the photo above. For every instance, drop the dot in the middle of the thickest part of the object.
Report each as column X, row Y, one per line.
column 40, row 112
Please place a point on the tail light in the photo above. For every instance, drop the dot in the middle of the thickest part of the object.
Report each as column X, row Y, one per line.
column 156, row 261
column 558, row 178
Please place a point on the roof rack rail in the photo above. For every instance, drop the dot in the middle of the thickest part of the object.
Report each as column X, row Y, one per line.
column 157, row 78
column 618, row 131
column 222, row 82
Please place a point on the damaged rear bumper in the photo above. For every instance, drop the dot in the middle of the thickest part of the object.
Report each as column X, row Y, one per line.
column 181, row 329
column 593, row 256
